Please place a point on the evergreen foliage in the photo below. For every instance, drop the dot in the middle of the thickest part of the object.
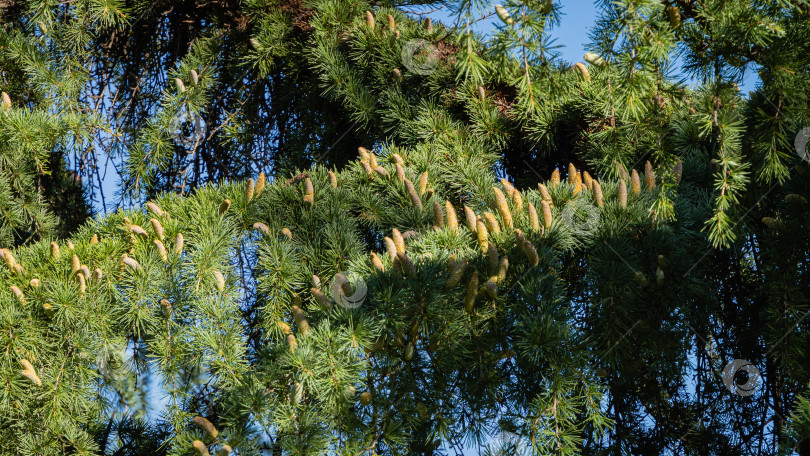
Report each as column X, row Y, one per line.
column 568, row 253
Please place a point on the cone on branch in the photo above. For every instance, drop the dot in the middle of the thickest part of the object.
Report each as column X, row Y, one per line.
column 587, row 180
column 367, row 168
column 370, row 20
column 391, row 248
column 519, row 237
column 178, row 244
column 376, row 262
column 407, row 265
column 508, row 188
column 674, row 17
column 595, row 59
column 635, row 182
column 8, row 257
column 504, row 15
column 452, row 219
column 135, row 229
column 161, row 250
column 597, row 193
column 410, row 348
column 55, row 253
column 492, row 223
column 492, row 257
column 219, row 280
column 412, row 193
column 577, row 184
column 423, row 181
column 333, row 179
column 399, row 241
column 309, row 193
column 323, row 301
column 438, row 215
column 797, row 202
column 129, row 261
column 224, row 206
column 200, row 448
column 534, row 220
column 571, row 175
column 300, row 318
column 206, row 426
column 400, row 172
column 250, row 189
column 15, row 290
column 29, row 372
column 531, row 252
column 491, row 288
column 259, row 226
column 49, row 310
column 261, row 181
column 622, row 194
column 649, row 176
column 555, row 178
column 583, row 70
column 155, row 209
column 622, row 170
column 166, row 308
column 456, row 274
column 75, row 264
column 503, row 209
column 471, row 219
column 296, row 393
column 546, row 214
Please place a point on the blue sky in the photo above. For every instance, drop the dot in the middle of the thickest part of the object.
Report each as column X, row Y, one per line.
column 578, row 17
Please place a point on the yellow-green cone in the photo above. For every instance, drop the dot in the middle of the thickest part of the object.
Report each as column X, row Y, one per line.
column 622, row 194
column 260, row 182
column 452, row 220
column 534, row 221
column 492, row 223
column 471, row 219
column 399, row 241
column 206, row 426
column 635, row 182
column 546, row 214
column 200, row 448
column 483, row 234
